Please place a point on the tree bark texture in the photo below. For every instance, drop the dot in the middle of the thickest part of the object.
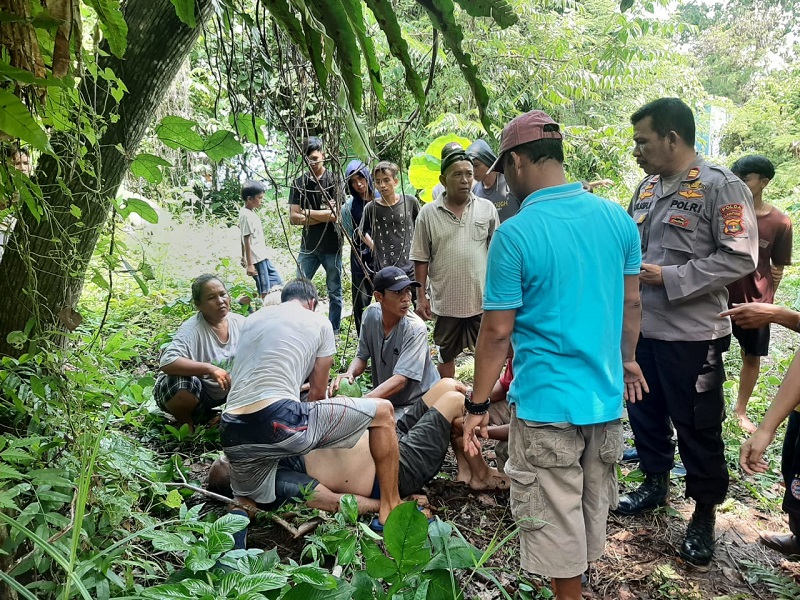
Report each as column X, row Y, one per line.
column 43, row 268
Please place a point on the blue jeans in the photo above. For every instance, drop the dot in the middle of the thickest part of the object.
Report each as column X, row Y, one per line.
column 309, row 262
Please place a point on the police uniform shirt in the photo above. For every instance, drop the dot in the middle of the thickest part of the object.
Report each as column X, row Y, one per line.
column 699, row 232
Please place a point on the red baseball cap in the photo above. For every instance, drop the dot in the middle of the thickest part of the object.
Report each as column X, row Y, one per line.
column 523, row 129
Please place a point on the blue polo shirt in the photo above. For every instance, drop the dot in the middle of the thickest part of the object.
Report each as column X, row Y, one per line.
column 560, row 262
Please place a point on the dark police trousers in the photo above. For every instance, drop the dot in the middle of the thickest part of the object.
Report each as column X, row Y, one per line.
column 685, row 381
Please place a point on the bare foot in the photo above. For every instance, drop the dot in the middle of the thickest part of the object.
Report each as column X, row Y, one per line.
column 746, row 424
column 464, row 476
column 492, row 480
column 420, row 499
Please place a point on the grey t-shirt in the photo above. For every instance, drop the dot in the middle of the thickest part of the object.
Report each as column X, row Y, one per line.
column 403, row 352
column 196, row 341
column 504, row 201
column 391, row 229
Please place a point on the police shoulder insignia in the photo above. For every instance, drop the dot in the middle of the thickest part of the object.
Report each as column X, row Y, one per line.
column 732, row 218
column 795, row 488
column 693, row 173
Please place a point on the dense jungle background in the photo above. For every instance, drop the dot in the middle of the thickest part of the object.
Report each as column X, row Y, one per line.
column 143, row 117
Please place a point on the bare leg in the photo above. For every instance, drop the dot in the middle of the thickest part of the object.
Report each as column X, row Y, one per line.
column 481, row 476
column 567, row 589
column 385, row 453
column 447, row 369
column 747, row 383
column 181, row 406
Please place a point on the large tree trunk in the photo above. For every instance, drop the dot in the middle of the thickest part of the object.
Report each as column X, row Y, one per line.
column 42, row 270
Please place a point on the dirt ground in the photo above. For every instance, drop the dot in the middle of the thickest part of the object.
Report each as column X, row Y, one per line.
column 641, row 559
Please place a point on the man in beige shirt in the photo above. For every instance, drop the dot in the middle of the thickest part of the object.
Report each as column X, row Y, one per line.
column 449, row 250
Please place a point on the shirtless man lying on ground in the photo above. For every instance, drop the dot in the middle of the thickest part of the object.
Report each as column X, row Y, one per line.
column 424, row 433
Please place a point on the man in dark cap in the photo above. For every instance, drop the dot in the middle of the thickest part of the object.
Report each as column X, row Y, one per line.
column 395, row 341
column 449, row 250
column 491, row 184
column 563, row 283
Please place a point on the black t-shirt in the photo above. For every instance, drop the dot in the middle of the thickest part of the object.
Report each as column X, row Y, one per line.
column 321, row 238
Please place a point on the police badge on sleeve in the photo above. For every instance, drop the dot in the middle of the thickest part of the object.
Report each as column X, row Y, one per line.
column 733, row 220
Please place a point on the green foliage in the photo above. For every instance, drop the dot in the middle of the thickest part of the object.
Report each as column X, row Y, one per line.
column 17, row 122
column 112, row 23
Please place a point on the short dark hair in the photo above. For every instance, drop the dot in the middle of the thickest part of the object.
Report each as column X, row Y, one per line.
column 540, row 150
column 13, row 149
column 251, row 189
column 668, row 114
column 386, row 166
column 299, row 289
column 754, row 163
column 199, row 283
column 312, row 144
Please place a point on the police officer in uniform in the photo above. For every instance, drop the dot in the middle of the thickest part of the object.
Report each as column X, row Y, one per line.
column 699, row 233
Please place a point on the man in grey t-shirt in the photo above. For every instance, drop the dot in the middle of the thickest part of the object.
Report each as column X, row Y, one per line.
column 395, row 341
column 491, row 186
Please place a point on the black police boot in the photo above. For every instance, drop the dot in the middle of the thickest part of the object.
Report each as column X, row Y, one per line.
column 698, row 545
column 652, row 493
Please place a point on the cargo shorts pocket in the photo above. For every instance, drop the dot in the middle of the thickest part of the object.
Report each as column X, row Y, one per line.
column 527, row 501
column 612, row 446
column 551, row 446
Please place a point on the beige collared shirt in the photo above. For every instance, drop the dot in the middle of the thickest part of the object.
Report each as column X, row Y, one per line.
column 455, row 250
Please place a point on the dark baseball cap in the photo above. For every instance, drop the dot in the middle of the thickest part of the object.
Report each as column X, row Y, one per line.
column 525, row 128
column 392, row 278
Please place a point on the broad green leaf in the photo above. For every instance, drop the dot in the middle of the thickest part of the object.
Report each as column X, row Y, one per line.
column 423, row 173
column 499, row 10
column 17, row 122
column 249, row 127
column 148, row 167
column 112, row 23
column 173, row 499
column 405, row 535
column 355, row 129
column 177, row 132
column 624, row 5
column 261, row 582
column 229, row 523
column 141, row 208
column 315, row 576
column 441, row 14
column 185, row 11
column 442, row 586
column 379, row 566
column 387, row 20
column 54, row 477
column 305, row 591
column 365, row 587
column 221, row 145
column 348, row 506
column 23, row 76
column 218, row 542
column 198, row 560
column 435, row 147
column 347, row 56
column 355, row 11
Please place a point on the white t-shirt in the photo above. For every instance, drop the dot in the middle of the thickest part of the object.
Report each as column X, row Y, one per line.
column 196, row 341
column 277, row 350
column 250, row 224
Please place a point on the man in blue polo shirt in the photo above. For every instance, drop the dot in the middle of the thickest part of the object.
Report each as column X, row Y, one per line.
column 562, row 287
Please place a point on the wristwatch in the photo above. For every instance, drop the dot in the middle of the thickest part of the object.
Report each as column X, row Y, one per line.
column 473, row 408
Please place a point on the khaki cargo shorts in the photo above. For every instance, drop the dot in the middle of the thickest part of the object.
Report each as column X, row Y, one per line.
column 563, row 482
